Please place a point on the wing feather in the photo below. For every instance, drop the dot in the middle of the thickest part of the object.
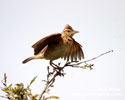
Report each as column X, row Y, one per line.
column 68, row 55
column 38, row 46
column 75, row 52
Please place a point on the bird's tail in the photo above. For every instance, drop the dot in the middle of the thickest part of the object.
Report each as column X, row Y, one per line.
column 28, row 59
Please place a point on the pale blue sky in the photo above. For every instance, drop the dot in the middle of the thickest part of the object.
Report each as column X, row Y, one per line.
column 102, row 27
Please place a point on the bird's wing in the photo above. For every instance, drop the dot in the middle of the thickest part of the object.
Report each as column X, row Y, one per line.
column 75, row 52
column 38, row 46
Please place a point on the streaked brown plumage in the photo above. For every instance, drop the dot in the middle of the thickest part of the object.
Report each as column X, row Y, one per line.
column 58, row 45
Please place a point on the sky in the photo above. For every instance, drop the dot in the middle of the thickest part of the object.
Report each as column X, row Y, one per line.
column 101, row 24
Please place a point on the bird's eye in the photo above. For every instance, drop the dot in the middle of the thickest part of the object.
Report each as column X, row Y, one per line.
column 68, row 31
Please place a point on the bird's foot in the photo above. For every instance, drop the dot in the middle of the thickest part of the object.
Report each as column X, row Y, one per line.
column 59, row 70
column 56, row 67
column 61, row 73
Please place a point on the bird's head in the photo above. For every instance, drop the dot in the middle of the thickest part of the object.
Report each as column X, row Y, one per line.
column 68, row 31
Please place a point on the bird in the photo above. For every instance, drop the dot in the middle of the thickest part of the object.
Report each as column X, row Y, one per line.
column 58, row 45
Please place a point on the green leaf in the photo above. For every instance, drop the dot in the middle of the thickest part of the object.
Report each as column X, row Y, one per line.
column 51, row 97
column 10, row 86
column 33, row 80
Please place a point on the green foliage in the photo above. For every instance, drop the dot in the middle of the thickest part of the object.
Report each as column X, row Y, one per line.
column 84, row 66
column 33, row 80
column 18, row 91
column 51, row 97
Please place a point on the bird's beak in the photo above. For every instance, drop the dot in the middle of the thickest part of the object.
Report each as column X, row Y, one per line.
column 76, row 31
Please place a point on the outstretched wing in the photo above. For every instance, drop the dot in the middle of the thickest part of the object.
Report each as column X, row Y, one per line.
column 38, row 46
column 75, row 52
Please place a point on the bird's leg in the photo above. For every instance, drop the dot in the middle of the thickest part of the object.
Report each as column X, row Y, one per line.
column 53, row 65
column 57, row 68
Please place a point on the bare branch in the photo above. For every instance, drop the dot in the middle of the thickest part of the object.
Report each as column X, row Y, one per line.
column 97, row 56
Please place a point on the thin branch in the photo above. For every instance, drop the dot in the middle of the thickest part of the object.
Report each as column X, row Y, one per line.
column 4, row 82
column 78, row 63
column 97, row 56
column 49, row 84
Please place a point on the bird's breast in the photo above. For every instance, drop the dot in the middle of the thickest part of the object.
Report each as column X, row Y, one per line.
column 67, row 41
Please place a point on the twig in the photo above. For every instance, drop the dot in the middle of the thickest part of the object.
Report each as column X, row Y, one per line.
column 78, row 63
column 4, row 82
column 97, row 56
column 49, row 83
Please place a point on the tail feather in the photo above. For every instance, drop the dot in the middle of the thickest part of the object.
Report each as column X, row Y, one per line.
column 28, row 59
